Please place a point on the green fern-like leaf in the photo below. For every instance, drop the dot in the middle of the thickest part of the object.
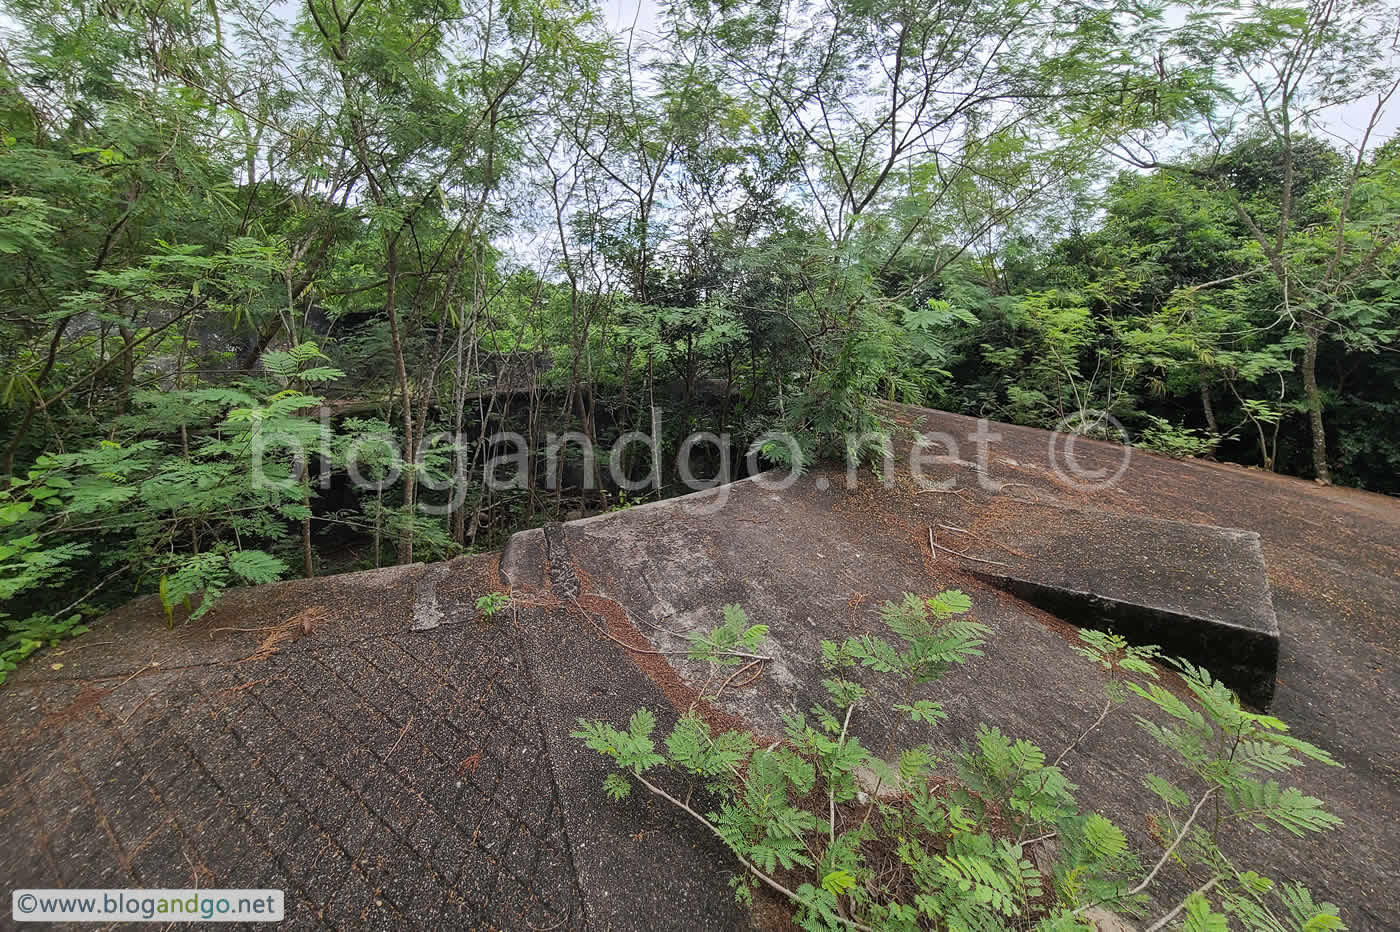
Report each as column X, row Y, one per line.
column 616, row 786
column 1309, row 915
column 837, row 882
column 1201, row 918
column 875, row 653
column 320, row 374
column 256, row 567
column 1259, row 802
column 642, row 723
column 924, row 710
column 1104, row 839
column 773, row 852
column 727, row 643
column 949, row 603
column 600, row 737
column 908, row 618
column 980, row 877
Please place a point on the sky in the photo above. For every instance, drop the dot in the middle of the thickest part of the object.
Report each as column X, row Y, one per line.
column 1347, row 122
column 621, row 14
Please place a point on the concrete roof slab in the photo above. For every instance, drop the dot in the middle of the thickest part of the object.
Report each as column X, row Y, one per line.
column 388, row 777
column 1198, row 591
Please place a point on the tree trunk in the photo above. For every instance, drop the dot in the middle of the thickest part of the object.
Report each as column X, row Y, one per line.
column 1208, row 409
column 307, row 556
column 128, row 373
column 254, row 352
column 410, row 458
column 378, row 520
column 1314, row 402
column 8, row 468
column 459, row 405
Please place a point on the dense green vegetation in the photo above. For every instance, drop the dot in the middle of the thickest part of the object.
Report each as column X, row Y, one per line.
column 868, row 839
column 458, row 218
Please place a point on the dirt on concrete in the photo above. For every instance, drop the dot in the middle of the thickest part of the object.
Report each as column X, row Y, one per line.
column 815, row 560
column 303, row 736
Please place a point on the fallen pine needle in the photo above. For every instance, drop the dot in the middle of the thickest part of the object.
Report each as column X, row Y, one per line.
column 400, row 741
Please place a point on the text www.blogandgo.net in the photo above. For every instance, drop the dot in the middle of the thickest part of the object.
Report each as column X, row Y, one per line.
column 128, row 905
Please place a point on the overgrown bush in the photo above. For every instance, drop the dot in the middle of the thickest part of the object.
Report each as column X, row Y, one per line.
column 865, row 840
column 183, row 498
column 1177, row 442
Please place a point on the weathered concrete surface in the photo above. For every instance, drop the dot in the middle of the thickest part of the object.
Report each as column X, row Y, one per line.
column 640, row 865
column 392, row 778
column 1333, row 559
column 814, row 560
column 299, row 737
column 1195, row 590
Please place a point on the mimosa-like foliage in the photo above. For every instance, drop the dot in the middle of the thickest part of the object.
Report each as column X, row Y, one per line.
column 991, row 839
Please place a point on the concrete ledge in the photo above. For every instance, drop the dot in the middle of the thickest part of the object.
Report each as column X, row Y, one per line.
column 1197, row 591
column 523, row 560
column 642, row 866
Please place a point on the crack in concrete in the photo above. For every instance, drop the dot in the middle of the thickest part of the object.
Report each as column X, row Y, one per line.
column 562, row 577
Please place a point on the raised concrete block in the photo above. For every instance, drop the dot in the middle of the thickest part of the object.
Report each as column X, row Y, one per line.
column 1198, row 591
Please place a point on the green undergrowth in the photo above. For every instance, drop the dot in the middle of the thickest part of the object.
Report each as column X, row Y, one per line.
column 989, row 837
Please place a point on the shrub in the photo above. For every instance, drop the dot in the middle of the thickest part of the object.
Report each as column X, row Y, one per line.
column 861, row 840
column 1176, row 442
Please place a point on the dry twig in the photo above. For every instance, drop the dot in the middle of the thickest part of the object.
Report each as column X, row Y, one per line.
column 959, row 553
column 400, row 741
